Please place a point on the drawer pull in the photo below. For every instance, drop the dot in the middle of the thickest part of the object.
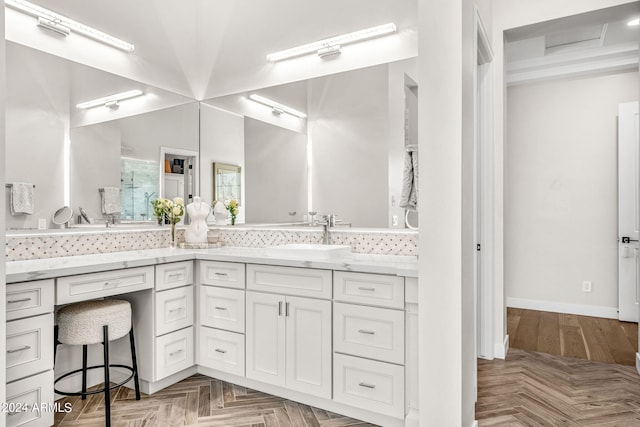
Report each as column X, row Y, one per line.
column 174, row 276
column 366, row 288
column 115, row 283
column 14, row 301
column 366, row 331
column 176, row 352
column 15, row 350
column 219, row 350
column 221, row 274
column 173, row 310
column 367, row 385
column 279, row 308
column 221, row 308
column 286, row 309
column 14, row 413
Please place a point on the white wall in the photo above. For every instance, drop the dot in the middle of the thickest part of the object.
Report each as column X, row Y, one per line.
column 349, row 154
column 561, row 211
column 221, row 141
column 37, row 125
column 275, row 173
column 94, row 163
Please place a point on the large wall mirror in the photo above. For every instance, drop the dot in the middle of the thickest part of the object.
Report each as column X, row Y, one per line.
column 344, row 157
column 69, row 154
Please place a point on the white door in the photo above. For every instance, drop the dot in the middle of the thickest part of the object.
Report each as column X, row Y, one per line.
column 309, row 346
column 628, row 211
column 265, row 337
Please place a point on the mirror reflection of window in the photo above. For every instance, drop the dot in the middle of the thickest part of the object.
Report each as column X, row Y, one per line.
column 139, row 187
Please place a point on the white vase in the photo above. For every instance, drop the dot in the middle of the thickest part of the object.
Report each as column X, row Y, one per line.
column 220, row 213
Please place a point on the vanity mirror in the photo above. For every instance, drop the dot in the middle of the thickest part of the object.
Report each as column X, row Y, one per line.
column 345, row 156
column 69, row 153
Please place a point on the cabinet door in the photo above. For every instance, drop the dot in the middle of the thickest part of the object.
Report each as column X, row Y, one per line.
column 308, row 332
column 265, row 338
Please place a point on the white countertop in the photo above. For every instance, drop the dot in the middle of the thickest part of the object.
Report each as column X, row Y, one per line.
column 22, row 271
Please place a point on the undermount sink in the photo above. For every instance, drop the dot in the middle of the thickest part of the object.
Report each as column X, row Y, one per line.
column 310, row 251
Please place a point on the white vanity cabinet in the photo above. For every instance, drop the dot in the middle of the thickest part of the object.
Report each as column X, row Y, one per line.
column 221, row 316
column 289, row 336
column 29, row 352
column 369, row 342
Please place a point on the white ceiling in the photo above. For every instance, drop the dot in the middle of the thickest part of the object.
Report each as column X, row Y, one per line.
column 591, row 43
column 206, row 48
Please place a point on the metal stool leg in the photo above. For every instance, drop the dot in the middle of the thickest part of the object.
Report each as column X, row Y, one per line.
column 84, row 372
column 55, row 343
column 134, row 362
column 107, row 394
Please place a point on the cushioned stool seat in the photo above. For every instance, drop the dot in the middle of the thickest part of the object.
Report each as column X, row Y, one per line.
column 81, row 323
column 96, row 322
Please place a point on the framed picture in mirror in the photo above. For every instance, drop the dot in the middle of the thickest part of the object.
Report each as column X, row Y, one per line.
column 226, row 182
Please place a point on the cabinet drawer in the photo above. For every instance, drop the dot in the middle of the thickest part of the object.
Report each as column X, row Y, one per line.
column 174, row 309
column 227, row 274
column 222, row 308
column 98, row 285
column 221, row 350
column 373, row 289
column 306, row 282
column 375, row 333
column 174, row 275
column 174, row 353
column 370, row 385
column 30, row 298
column 30, row 391
column 29, row 346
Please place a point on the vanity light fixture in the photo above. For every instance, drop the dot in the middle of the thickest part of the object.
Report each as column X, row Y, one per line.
column 276, row 107
column 634, row 22
column 63, row 25
column 332, row 45
column 110, row 101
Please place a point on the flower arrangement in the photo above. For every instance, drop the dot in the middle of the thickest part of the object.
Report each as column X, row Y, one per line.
column 173, row 210
column 232, row 207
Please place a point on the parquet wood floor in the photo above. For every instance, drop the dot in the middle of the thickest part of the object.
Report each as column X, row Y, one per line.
column 538, row 389
column 583, row 337
column 199, row 401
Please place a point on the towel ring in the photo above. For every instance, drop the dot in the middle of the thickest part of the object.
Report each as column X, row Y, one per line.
column 406, row 220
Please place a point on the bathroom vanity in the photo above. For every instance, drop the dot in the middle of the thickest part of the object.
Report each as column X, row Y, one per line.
column 336, row 334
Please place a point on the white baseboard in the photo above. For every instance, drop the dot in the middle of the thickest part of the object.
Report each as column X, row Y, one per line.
column 501, row 350
column 638, row 362
column 475, row 424
column 561, row 307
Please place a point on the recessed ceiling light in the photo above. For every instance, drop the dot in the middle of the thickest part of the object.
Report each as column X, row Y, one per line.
column 634, row 22
column 332, row 44
column 63, row 25
column 276, row 107
column 110, row 101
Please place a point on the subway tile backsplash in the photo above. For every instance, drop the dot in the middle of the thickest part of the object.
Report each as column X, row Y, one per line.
column 377, row 242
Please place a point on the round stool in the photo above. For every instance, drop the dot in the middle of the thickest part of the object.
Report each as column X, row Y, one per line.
column 96, row 322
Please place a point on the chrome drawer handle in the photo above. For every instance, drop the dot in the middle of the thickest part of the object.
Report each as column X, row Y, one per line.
column 367, row 385
column 13, row 301
column 116, row 283
column 15, row 350
column 221, row 308
column 176, row 352
column 177, row 275
column 219, row 350
column 366, row 288
column 173, row 310
column 221, row 274
column 366, row 331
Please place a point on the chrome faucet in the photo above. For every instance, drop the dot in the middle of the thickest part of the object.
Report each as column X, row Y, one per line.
column 328, row 223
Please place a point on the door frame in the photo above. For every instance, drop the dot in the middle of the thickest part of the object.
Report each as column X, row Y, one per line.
column 483, row 197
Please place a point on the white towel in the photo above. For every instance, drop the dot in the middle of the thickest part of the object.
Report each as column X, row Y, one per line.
column 409, row 197
column 21, row 198
column 110, row 200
